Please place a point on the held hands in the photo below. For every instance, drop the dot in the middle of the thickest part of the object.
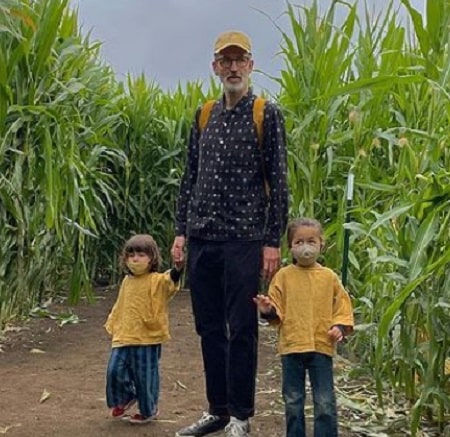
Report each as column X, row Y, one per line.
column 263, row 303
column 177, row 252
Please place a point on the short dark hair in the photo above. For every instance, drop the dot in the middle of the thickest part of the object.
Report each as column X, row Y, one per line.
column 142, row 243
column 294, row 224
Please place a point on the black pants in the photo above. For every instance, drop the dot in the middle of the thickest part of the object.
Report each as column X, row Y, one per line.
column 224, row 277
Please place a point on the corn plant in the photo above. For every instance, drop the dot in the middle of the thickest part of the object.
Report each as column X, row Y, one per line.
column 368, row 97
column 58, row 112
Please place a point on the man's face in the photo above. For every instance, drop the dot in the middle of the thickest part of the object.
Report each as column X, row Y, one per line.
column 233, row 65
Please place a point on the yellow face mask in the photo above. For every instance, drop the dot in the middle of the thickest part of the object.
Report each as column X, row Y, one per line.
column 138, row 268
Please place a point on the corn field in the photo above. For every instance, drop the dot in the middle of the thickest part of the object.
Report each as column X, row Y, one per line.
column 86, row 160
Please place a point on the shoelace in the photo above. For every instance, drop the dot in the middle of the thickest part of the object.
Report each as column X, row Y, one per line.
column 206, row 417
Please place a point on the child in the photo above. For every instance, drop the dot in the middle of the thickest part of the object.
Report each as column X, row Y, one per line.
column 138, row 324
column 313, row 312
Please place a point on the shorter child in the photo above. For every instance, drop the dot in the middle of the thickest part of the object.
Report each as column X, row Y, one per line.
column 312, row 311
column 139, row 324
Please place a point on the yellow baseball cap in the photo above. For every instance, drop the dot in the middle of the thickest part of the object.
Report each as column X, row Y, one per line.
column 232, row 38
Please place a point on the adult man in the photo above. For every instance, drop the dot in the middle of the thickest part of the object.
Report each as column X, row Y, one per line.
column 234, row 227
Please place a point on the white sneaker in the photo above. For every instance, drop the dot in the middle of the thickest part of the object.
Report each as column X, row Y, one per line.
column 207, row 424
column 236, row 428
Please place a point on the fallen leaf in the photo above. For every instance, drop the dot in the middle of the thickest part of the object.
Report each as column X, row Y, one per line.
column 5, row 429
column 181, row 385
column 45, row 395
column 15, row 329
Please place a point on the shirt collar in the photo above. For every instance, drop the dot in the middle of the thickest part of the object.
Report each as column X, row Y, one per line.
column 241, row 105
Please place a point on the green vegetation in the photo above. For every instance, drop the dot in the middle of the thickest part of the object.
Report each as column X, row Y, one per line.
column 86, row 160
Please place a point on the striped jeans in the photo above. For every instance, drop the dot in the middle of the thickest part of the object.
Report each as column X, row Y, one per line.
column 133, row 373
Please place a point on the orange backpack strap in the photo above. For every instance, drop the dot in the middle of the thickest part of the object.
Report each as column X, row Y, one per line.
column 258, row 117
column 204, row 114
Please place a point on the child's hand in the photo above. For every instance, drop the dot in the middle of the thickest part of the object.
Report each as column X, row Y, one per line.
column 263, row 303
column 335, row 334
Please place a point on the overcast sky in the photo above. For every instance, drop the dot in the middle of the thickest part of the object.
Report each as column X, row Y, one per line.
column 171, row 40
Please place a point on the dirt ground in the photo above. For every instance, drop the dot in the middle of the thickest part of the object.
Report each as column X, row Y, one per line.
column 66, row 365
column 52, row 380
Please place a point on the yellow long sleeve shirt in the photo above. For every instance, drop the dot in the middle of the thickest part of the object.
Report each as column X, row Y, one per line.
column 308, row 302
column 140, row 313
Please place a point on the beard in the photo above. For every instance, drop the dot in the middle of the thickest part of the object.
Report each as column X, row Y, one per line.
column 235, row 87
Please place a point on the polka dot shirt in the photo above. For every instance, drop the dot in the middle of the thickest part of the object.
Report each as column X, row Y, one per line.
column 222, row 195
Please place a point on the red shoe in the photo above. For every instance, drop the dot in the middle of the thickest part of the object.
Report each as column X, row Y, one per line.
column 139, row 419
column 119, row 412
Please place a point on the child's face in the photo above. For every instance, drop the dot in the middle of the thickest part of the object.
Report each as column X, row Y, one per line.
column 306, row 245
column 138, row 262
column 307, row 235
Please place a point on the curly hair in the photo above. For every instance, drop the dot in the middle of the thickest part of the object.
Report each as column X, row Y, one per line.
column 142, row 243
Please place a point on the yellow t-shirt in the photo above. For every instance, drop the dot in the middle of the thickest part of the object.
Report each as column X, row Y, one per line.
column 308, row 302
column 140, row 313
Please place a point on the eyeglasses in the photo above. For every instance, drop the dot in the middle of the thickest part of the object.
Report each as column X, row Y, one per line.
column 226, row 62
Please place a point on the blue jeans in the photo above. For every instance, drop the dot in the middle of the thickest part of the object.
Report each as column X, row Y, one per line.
column 320, row 371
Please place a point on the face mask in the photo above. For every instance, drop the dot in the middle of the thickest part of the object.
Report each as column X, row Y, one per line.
column 138, row 268
column 306, row 254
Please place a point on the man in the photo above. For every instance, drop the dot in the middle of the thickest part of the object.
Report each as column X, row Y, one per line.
column 234, row 226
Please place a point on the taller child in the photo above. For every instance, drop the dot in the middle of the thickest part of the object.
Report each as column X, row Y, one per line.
column 234, row 227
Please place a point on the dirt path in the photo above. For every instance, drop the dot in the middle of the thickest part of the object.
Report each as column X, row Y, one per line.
column 71, row 373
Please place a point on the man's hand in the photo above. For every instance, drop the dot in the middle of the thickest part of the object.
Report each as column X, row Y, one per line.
column 271, row 261
column 177, row 250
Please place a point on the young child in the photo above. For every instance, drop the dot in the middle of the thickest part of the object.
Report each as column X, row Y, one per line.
column 312, row 311
column 139, row 324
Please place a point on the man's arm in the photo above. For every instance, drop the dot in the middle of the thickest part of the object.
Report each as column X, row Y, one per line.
column 188, row 179
column 186, row 188
column 275, row 164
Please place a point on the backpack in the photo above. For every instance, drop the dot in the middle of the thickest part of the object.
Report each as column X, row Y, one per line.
column 258, row 118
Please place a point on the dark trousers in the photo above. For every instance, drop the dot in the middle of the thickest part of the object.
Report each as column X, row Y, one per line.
column 320, row 370
column 224, row 277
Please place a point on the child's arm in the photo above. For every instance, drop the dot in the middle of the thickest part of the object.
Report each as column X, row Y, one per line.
column 342, row 312
column 171, row 280
column 110, row 320
column 175, row 274
column 113, row 315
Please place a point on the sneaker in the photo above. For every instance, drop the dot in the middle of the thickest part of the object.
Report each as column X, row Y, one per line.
column 139, row 419
column 119, row 412
column 238, row 429
column 207, row 424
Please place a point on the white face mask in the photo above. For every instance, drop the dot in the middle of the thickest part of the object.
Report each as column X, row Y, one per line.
column 138, row 268
column 306, row 254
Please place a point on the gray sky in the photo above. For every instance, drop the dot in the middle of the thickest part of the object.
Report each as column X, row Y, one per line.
column 171, row 40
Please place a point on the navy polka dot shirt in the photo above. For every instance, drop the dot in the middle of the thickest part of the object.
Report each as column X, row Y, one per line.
column 222, row 195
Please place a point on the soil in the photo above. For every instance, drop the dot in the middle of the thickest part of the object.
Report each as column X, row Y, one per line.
column 52, row 378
